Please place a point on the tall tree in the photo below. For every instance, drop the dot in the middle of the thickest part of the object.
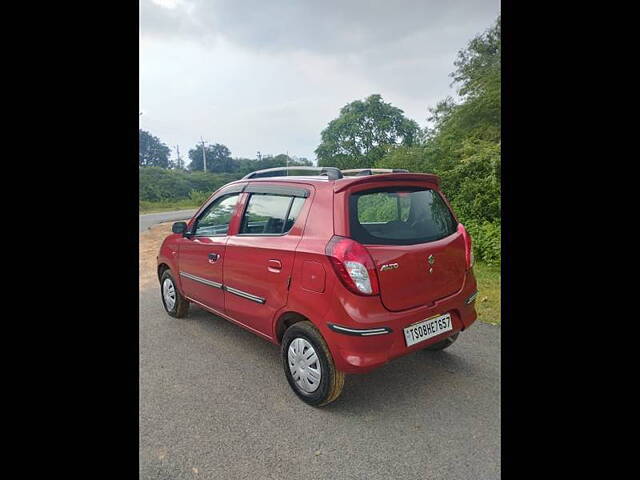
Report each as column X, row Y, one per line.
column 477, row 77
column 463, row 143
column 465, row 138
column 218, row 158
column 363, row 133
column 152, row 152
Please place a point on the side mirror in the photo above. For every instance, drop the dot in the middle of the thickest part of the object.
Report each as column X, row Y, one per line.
column 179, row 227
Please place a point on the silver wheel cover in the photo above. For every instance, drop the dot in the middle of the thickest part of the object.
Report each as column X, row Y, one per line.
column 304, row 365
column 169, row 294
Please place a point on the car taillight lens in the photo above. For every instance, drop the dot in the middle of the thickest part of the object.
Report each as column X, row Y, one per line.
column 467, row 245
column 353, row 265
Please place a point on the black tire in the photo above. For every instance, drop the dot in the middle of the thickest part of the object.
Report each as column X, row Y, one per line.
column 181, row 307
column 331, row 380
column 447, row 342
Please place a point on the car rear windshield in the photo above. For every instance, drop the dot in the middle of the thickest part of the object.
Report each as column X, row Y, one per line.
column 399, row 216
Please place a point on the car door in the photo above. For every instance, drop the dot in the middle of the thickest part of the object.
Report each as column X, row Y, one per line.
column 259, row 258
column 202, row 252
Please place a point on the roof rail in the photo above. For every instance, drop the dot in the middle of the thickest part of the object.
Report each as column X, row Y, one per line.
column 360, row 172
column 332, row 173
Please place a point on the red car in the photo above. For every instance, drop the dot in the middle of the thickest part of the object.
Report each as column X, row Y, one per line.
column 346, row 270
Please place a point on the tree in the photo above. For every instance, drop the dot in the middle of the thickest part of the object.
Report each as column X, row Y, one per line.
column 363, row 133
column 247, row 165
column 478, row 79
column 179, row 163
column 158, row 184
column 218, row 158
column 463, row 143
column 282, row 160
column 152, row 152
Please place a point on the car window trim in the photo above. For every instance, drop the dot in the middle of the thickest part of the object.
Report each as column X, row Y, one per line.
column 233, row 191
column 379, row 241
column 282, row 234
column 277, row 190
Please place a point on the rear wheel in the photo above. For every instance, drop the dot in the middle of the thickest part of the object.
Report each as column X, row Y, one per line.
column 447, row 342
column 308, row 365
column 174, row 303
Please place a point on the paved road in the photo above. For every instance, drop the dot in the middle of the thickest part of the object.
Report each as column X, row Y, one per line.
column 213, row 400
column 150, row 219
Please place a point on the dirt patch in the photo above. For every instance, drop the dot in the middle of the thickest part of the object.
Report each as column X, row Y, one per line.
column 150, row 241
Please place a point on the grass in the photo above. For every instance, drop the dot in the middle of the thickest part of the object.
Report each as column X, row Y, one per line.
column 154, row 207
column 488, row 300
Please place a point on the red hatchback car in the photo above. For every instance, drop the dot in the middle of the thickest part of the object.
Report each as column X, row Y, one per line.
column 346, row 270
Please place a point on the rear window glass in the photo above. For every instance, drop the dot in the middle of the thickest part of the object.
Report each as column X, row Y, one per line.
column 399, row 216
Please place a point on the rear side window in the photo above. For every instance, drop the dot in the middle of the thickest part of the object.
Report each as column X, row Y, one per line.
column 399, row 216
column 270, row 214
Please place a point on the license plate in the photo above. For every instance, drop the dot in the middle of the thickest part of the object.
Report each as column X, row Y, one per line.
column 421, row 331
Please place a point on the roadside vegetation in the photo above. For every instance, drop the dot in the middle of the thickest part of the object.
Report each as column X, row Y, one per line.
column 461, row 144
column 488, row 300
column 168, row 206
column 161, row 188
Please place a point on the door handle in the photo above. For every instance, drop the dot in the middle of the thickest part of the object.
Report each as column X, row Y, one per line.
column 213, row 257
column 274, row 266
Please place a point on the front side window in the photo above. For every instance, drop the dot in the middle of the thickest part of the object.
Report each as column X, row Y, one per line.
column 270, row 214
column 215, row 220
column 399, row 216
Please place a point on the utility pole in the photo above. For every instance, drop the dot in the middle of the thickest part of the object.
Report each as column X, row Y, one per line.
column 179, row 163
column 204, row 157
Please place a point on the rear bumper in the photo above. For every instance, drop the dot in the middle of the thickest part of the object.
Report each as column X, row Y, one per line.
column 361, row 343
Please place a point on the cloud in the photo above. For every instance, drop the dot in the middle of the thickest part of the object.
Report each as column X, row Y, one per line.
column 329, row 26
column 269, row 75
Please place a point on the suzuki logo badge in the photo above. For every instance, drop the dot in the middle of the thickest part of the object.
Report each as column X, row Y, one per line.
column 431, row 261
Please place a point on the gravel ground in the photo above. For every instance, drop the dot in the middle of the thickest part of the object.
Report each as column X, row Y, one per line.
column 149, row 219
column 214, row 404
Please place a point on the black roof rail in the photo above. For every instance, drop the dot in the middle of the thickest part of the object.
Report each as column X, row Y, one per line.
column 332, row 173
column 360, row 172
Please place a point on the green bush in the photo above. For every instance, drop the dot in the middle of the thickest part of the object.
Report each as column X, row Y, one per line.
column 485, row 238
column 158, row 184
column 199, row 198
column 208, row 182
column 161, row 185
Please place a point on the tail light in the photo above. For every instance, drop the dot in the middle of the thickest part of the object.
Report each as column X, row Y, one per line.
column 353, row 265
column 467, row 245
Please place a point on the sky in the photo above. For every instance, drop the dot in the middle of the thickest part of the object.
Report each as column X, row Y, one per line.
column 269, row 75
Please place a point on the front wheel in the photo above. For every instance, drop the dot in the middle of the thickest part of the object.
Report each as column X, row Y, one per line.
column 308, row 365
column 174, row 303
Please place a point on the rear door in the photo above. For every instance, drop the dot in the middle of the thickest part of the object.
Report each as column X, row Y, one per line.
column 259, row 259
column 413, row 239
